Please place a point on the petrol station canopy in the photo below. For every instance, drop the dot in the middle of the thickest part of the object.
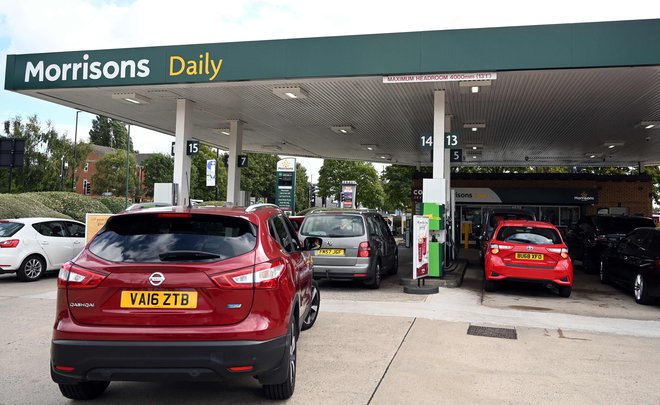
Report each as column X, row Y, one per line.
column 556, row 95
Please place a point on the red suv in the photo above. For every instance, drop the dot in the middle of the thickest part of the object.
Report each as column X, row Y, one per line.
column 178, row 293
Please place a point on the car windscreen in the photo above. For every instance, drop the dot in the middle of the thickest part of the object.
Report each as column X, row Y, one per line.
column 496, row 217
column 339, row 225
column 530, row 235
column 621, row 225
column 8, row 229
column 173, row 237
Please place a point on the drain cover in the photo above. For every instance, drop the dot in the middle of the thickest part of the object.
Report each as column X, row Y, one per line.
column 487, row 331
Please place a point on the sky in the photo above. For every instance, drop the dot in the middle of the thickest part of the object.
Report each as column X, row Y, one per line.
column 35, row 26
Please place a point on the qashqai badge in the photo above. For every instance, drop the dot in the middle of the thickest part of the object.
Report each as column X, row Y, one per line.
column 156, row 279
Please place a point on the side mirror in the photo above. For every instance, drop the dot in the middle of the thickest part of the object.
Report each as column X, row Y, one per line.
column 313, row 243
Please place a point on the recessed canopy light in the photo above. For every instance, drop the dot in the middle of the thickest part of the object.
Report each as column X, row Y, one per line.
column 369, row 147
column 474, row 86
column 474, row 126
column 132, row 98
column 342, row 129
column 613, row 144
column 290, row 92
column 474, row 89
column 649, row 124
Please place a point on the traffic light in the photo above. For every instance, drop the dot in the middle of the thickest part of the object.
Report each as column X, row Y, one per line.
column 88, row 188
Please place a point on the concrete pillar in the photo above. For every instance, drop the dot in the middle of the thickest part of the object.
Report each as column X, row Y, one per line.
column 234, row 172
column 183, row 133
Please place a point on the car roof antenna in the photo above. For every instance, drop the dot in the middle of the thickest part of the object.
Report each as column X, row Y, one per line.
column 189, row 200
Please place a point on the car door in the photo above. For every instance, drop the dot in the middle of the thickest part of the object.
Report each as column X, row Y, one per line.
column 635, row 260
column 389, row 244
column 627, row 254
column 52, row 237
column 76, row 234
column 293, row 254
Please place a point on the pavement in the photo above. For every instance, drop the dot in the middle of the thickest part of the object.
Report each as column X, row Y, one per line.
column 387, row 347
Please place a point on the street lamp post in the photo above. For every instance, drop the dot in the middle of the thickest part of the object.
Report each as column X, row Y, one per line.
column 63, row 167
column 75, row 143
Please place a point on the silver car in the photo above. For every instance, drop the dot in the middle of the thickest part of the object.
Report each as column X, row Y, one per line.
column 357, row 245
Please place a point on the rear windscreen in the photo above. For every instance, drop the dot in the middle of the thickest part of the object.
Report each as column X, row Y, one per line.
column 161, row 238
column 622, row 225
column 529, row 235
column 9, row 228
column 333, row 225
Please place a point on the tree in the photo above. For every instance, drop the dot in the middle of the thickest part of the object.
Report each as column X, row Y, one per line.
column 108, row 132
column 110, row 173
column 260, row 175
column 654, row 172
column 46, row 156
column 369, row 190
column 199, row 189
column 302, row 188
column 397, row 186
column 158, row 168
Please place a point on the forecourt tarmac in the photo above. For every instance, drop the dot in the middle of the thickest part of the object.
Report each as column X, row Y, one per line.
column 383, row 347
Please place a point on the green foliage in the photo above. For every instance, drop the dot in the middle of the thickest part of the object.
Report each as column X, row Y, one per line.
column 302, row 187
column 110, row 173
column 69, row 204
column 654, row 172
column 199, row 189
column 19, row 206
column 114, row 204
column 158, row 168
column 45, row 154
column 369, row 190
column 397, row 187
column 259, row 177
column 108, row 132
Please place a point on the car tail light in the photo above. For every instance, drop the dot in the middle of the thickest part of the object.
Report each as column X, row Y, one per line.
column 364, row 250
column 563, row 252
column 174, row 215
column 263, row 276
column 657, row 263
column 11, row 243
column 72, row 276
column 495, row 248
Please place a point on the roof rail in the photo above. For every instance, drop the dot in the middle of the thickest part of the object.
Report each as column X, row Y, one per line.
column 255, row 207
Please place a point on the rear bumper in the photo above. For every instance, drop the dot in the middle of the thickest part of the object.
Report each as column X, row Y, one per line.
column 162, row 361
column 360, row 271
column 560, row 275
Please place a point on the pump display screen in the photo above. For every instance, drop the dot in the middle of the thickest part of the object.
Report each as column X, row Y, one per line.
column 285, row 179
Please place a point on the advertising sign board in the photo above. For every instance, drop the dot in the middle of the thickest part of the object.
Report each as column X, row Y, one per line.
column 420, row 246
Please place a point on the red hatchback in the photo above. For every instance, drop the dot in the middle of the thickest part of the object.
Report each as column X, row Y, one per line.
column 528, row 251
column 196, row 294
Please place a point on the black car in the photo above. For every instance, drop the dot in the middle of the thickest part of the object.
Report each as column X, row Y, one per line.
column 484, row 232
column 592, row 234
column 634, row 263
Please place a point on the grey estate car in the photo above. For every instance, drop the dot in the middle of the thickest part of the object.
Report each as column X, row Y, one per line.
column 357, row 245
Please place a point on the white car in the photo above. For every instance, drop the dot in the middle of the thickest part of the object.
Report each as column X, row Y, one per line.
column 31, row 246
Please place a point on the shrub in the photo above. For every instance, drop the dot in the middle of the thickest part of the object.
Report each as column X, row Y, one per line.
column 19, row 206
column 71, row 204
column 114, row 204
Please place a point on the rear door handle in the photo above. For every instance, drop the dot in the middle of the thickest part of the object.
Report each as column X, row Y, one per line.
column 44, row 243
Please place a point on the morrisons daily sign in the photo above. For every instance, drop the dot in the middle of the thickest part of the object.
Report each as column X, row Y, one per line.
column 114, row 67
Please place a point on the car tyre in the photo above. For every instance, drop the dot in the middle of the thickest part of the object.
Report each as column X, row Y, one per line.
column 641, row 291
column 314, row 307
column 84, row 390
column 489, row 285
column 564, row 290
column 395, row 265
column 31, row 269
column 375, row 283
column 285, row 389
